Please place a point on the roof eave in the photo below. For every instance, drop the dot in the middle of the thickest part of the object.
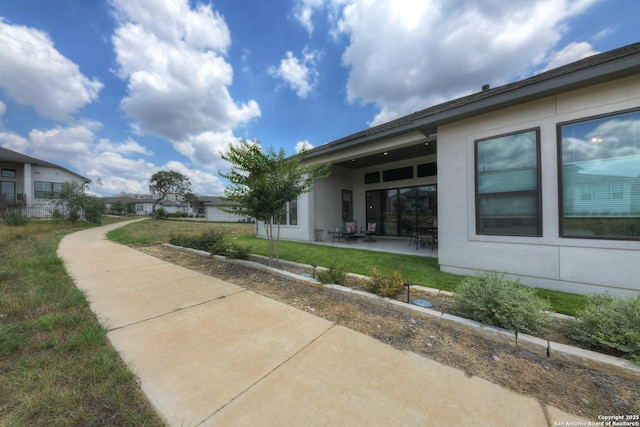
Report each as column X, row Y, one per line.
column 498, row 98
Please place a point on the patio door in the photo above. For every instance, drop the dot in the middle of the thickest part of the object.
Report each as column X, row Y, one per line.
column 396, row 210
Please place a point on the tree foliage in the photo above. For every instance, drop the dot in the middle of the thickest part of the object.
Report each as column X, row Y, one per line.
column 263, row 182
column 75, row 203
column 163, row 183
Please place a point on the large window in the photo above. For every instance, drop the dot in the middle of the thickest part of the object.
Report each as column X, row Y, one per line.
column 7, row 191
column 508, row 185
column 48, row 190
column 289, row 214
column 600, row 177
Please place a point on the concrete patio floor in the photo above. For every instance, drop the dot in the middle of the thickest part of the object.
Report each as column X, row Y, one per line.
column 395, row 245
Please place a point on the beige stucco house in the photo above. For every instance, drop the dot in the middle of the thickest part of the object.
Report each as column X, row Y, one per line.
column 33, row 183
column 539, row 179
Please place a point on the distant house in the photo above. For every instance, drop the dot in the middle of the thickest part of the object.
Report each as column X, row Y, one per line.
column 143, row 206
column 33, row 183
column 209, row 207
column 213, row 210
column 539, row 178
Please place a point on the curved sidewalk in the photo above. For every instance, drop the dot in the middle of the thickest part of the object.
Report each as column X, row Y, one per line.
column 210, row 353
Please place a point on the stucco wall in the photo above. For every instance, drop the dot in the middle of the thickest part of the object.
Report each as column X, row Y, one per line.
column 215, row 214
column 303, row 231
column 573, row 265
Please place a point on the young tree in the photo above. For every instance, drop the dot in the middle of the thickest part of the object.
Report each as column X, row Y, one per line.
column 163, row 183
column 263, row 182
column 76, row 203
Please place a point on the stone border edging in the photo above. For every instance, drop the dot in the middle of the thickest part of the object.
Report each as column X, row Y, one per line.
column 539, row 346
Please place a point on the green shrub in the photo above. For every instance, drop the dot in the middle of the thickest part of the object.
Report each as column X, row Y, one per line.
column 609, row 323
column 236, row 251
column 211, row 241
column 495, row 300
column 16, row 219
column 335, row 274
column 385, row 285
column 183, row 241
column 161, row 213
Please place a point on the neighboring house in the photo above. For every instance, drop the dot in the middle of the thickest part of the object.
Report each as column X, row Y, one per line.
column 539, row 178
column 144, row 206
column 209, row 207
column 212, row 209
column 32, row 183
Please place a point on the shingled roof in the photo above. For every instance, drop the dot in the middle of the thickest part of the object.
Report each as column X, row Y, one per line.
column 7, row 155
column 595, row 69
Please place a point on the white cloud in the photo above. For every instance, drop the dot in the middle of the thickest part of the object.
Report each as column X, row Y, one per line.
column 63, row 143
column 203, row 183
column 127, row 147
column 13, row 141
column 571, row 53
column 299, row 74
column 113, row 167
column 422, row 53
column 205, row 149
column 303, row 12
column 173, row 59
column 34, row 73
column 3, row 109
column 303, row 145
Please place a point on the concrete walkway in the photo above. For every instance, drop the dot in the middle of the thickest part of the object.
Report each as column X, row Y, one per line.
column 210, row 353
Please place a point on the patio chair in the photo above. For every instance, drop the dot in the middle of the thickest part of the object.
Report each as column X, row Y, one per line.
column 350, row 230
column 371, row 230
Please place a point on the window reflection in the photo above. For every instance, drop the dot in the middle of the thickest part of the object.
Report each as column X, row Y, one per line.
column 601, row 176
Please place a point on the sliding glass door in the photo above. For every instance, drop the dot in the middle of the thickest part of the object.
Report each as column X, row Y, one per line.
column 396, row 210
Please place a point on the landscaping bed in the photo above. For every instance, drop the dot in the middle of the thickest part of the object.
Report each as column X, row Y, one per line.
column 573, row 388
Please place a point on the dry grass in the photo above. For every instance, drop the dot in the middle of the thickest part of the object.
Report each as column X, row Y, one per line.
column 58, row 368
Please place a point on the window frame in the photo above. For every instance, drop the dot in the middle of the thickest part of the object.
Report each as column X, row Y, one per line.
column 561, row 227
column 8, row 173
column 537, row 192
column 51, row 194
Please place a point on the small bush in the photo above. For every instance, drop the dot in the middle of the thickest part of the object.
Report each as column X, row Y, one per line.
column 495, row 300
column 183, row 241
column 336, row 274
column 609, row 323
column 236, row 251
column 211, row 241
column 385, row 285
column 16, row 219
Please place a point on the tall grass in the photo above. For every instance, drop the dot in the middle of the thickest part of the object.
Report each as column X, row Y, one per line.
column 58, row 368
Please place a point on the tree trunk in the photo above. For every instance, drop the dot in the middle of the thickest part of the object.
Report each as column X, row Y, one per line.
column 278, row 246
column 269, row 231
column 153, row 211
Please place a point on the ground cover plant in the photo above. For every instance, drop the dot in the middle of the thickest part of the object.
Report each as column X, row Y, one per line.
column 610, row 323
column 496, row 300
column 58, row 368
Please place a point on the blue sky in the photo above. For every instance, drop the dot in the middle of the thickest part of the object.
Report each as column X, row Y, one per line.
column 117, row 90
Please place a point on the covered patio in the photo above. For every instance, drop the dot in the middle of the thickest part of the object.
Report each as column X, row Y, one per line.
column 394, row 245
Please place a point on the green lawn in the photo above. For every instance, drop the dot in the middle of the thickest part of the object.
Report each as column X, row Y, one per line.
column 415, row 269
column 58, row 368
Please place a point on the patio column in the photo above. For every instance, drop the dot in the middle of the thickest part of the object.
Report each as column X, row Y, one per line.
column 27, row 184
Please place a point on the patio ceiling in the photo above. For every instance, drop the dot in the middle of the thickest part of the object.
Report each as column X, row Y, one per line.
column 394, row 155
